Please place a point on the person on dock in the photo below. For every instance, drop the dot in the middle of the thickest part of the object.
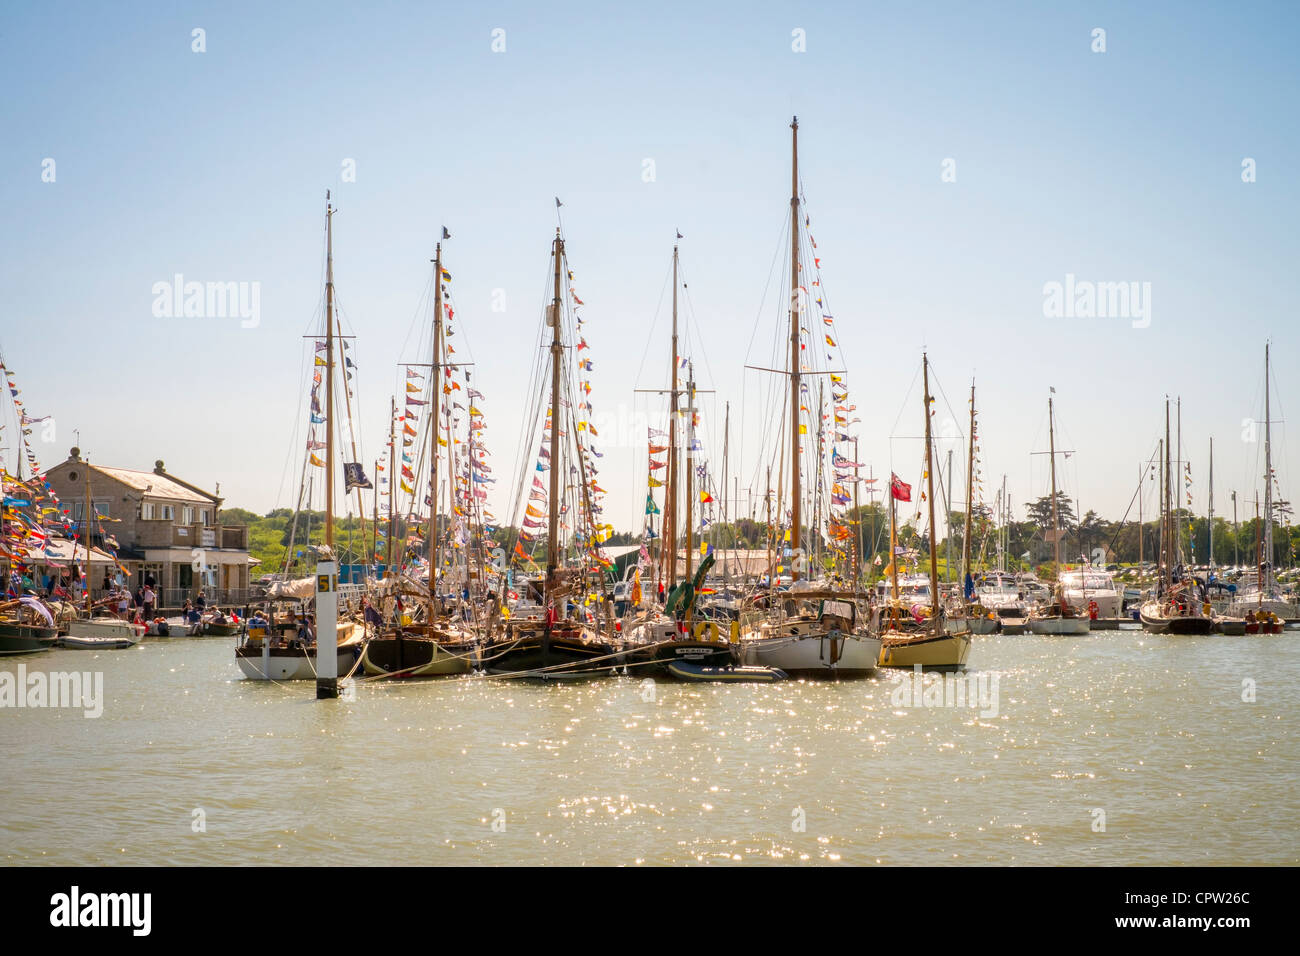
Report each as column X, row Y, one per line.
column 148, row 599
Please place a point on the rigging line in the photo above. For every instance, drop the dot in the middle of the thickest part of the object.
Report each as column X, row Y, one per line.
column 654, row 324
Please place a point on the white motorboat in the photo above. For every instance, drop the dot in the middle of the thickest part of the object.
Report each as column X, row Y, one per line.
column 104, row 627
column 96, row 643
column 1089, row 587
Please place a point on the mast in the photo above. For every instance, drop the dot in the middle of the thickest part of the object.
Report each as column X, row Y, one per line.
column 1210, row 563
column 796, row 516
column 1268, row 479
column 392, row 491
column 557, row 349
column 726, row 512
column 374, row 525
column 1166, row 548
column 670, row 492
column 85, row 540
column 947, row 520
column 935, row 624
column 329, row 373
column 970, row 492
column 857, row 510
column 1056, row 518
column 893, row 538
column 1177, row 514
column 435, row 424
column 690, row 470
column 1259, row 559
column 1142, row 477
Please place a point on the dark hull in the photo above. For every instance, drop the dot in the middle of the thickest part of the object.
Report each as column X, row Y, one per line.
column 656, row 659
column 25, row 638
column 1190, row 625
column 417, row 657
column 564, row 656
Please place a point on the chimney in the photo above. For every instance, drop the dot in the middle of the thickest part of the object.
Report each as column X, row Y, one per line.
column 158, row 468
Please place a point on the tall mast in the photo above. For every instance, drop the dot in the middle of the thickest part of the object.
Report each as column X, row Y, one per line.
column 690, row 469
column 1166, row 548
column 557, row 349
column 1177, row 514
column 857, row 510
column 1056, row 518
column 726, row 512
column 374, row 526
column 1142, row 477
column 1210, row 562
column 392, row 491
column 1268, row 478
column 670, row 492
column 935, row 624
column 947, row 520
column 435, row 425
column 796, row 517
column 329, row 372
column 970, row 492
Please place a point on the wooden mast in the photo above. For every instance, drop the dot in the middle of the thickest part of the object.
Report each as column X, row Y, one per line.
column 1166, row 537
column 726, row 511
column 1268, row 479
column 557, row 349
column 796, row 517
column 1056, row 517
column 392, row 488
column 970, row 493
column 690, row 469
column 435, row 425
column 669, row 541
column 857, row 511
column 936, row 625
column 329, row 373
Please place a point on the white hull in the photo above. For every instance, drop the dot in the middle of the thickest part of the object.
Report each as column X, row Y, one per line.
column 811, row 654
column 948, row 652
column 1059, row 625
column 975, row 625
column 96, row 643
column 300, row 666
column 104, row 627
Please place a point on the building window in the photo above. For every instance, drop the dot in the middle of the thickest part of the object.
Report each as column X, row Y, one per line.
column 203, row 516
column 187, row 515
column 146, row 511
column 168, row 512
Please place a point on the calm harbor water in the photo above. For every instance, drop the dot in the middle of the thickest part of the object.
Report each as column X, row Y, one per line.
column 1150, row 729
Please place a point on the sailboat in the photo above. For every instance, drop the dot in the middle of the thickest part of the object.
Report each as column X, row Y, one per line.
column 26, row 624
column 1180, row 604
column 815, row 628
column 658, row 638
column 441, row 644
column 971, row 613
column 909, row 639
column 551, row 634
column 270, row 653
column 1059, row 616
column 1259, row 596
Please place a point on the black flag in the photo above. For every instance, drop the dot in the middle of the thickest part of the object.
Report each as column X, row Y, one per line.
column 354, row 477
column 445, row 233
column 558, row 204
column 679, row 234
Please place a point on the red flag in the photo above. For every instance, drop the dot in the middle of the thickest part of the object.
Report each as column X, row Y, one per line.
column 899, row 488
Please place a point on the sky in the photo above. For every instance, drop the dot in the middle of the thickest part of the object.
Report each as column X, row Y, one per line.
column 956, row 160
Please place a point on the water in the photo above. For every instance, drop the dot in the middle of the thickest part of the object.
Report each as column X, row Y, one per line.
column 1150, row 729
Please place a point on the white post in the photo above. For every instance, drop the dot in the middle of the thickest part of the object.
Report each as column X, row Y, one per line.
column 327, row 637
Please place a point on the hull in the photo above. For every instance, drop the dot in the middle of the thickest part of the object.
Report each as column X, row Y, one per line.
column 659, row 658
column 417, row 657
column 287, row 663
column 814, row 655
column 1233, row 627
column 1014, row 625
column 565, row 655
column 221, row 630
column 105, row 627
column 946, row 652
column 25, row 638
column 1059, row 625
column 96, row 643
column 1156, row 623
column 975, row 625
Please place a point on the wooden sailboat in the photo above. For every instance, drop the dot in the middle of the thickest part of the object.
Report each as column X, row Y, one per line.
column 1179, row 605
column 264, row 654
column 659, row 637
column 908, row 640
column 974, row 616
column 544, row 640
column 811, row 630
column 1058, row 616
column 442, row 643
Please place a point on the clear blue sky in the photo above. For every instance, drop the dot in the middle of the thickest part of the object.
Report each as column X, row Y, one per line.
column 1124, row 165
